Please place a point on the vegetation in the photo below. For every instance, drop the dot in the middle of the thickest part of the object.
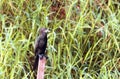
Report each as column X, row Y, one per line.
column 84, row 42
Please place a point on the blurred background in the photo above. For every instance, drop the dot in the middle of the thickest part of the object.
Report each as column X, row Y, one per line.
column 83, row 43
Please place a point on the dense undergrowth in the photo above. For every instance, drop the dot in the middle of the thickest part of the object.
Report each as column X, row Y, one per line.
column 84, row 42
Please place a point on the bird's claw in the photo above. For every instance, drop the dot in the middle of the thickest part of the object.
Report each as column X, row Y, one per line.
column 42, row 55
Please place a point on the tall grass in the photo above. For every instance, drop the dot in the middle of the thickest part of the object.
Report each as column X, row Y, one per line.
column 85, row 44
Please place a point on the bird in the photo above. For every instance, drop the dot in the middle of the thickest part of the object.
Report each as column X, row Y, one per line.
column 40, row 46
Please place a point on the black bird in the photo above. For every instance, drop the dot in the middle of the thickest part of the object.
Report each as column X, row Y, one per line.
column 40, row 46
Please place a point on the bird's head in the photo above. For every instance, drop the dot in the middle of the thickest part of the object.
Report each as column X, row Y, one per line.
column 44, row 30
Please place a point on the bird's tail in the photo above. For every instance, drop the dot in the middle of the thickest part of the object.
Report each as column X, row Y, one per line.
column 36, row 62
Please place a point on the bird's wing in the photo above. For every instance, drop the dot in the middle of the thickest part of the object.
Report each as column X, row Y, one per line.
column 41, row 43
column 36, row 45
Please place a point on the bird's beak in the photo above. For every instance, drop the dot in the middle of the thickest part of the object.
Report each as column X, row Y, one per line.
column 47, row 30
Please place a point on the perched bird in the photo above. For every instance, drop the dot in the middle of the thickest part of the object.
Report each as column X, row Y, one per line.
column 40, row 46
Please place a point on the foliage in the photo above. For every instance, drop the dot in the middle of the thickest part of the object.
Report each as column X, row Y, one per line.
column 84, row 42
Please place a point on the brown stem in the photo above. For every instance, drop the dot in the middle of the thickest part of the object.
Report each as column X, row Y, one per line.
column 41, row 68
